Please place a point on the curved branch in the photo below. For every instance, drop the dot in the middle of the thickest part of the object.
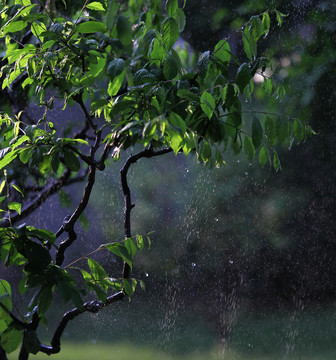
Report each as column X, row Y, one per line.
column 128, row 206
column 91, row 306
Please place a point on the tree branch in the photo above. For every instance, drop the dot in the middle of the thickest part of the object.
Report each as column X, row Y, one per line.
column 92, row 306
column 128, row 206
column 43, row 195
column 69, row 223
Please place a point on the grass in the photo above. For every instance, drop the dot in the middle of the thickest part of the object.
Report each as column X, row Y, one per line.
column 126, row 351
column 298, row 335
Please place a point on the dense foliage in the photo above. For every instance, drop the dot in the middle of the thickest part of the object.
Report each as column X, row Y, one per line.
column 139, row 87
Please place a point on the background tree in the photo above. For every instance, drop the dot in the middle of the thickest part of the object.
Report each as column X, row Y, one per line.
column 138, row 90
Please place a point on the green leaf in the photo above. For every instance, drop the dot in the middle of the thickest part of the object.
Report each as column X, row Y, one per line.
column 127, row 287
column 98, row 272
column 266, row 22
column 256, row 27
column 41, row 234
column 177, row 122
column 115, row 68
column 270, row 131
column 120, row 250
column 15, row 206
column 25, row 155
column 90, row 27
column 243, row 76
column 71, row 160
column 298, row 129
column 257, row 132
column 10, row 339
column 2, row 185
column 249, row 43
column 249, row 149
column 131, row 247
column 170, row 32
column 16, row 188
column 115, row 84
column 96, row 6
column 171, row 7
column 5, row 300
column 222, row 51
column 9, row 157
column 263, row 156
column 156, row 51
column 180, row 19
column 14, row 26
column 31, row 342
column 124, row 30
column 208, row 104
column 276, row 161
column 170, row 68
column 44, row 299
column 176, row 142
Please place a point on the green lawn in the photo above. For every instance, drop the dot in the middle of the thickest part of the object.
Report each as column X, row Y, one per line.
column 287, row 335
column 85, row 351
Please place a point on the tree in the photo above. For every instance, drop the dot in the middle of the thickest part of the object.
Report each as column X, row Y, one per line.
column 139, row 89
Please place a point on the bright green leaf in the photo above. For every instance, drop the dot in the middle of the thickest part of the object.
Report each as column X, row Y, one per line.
column 170, row 32
column 263, row 156
column 222, row 51
column 11, row 339
column 15, row 206
column 208, row 104
column 96, row 6
column 90, row 27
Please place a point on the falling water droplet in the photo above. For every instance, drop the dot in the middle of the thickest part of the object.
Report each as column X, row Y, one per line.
column 216, row 219
column 193, row 264
column 230, row 261
column 146, row 274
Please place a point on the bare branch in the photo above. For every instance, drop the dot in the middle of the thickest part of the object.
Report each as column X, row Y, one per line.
column 128, row 206
column 69, row 223
column 92, row 306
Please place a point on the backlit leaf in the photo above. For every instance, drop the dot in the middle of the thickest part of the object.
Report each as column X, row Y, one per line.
column 208, row 104
column 222, row 51
column 96, row 6
column 170, row 32
column 90, row 27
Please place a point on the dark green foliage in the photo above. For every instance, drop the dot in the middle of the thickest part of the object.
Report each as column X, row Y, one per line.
column 123, row 67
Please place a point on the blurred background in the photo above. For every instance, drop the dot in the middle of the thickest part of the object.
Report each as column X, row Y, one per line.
column 242, row 262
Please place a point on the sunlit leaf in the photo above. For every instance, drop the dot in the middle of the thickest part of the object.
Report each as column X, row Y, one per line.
column 90, row 27
column 96, row 6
